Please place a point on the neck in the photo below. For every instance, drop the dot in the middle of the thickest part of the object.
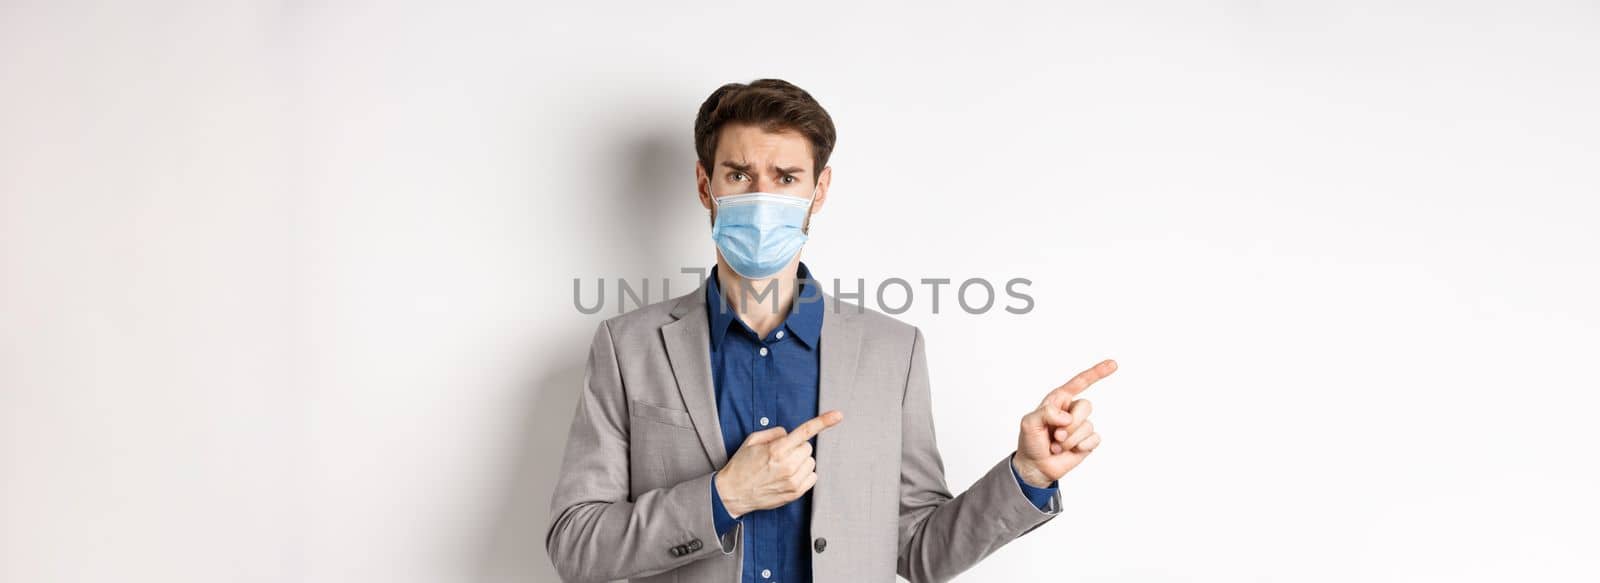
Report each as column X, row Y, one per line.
column 761, row 303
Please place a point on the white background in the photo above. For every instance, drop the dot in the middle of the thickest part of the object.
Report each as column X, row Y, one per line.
column 286, row 288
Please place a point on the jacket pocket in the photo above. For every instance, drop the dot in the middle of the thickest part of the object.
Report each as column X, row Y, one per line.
column 659, row 414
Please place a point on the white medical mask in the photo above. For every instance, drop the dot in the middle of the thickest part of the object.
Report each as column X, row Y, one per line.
column 758, row 233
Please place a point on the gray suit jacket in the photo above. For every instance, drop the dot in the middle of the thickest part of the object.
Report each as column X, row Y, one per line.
column 634, row 497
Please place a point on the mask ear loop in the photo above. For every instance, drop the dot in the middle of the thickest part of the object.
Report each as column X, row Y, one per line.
column 809, row 206
column 711, row 194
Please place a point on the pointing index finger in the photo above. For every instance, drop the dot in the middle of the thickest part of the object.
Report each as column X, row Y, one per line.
column 1088, row 377
column 805, row 431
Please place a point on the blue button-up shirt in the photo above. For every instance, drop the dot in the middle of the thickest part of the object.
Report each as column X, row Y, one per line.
column 769, row 382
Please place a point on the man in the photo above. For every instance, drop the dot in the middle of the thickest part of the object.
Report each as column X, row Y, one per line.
column 759, row 430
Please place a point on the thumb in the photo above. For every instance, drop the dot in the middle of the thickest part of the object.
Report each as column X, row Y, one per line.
column 765, row 435
column 1033, row 421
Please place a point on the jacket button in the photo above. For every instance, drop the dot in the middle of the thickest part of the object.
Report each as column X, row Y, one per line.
column 694, row 545
column 820, row 544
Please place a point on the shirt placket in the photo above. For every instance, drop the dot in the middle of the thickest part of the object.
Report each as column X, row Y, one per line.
column 765, row 418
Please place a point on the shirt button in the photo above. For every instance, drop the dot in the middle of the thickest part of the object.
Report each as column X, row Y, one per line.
column 766, row 573
column 780, row 335
column 763, row 351
column 763, row 421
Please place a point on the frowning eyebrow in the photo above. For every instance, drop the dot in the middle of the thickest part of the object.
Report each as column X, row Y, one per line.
column 745, row 168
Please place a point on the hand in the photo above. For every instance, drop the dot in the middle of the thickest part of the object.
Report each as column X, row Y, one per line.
column 1058, row 435
column 772, row 467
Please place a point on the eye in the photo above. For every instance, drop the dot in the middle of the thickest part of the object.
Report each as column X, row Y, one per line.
column 788, row 180
column 736, row 176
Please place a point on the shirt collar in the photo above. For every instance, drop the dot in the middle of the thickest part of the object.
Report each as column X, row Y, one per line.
column 805, row 317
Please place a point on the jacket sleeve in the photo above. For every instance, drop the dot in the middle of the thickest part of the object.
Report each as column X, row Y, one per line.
column 941, row 535
column 596, row 532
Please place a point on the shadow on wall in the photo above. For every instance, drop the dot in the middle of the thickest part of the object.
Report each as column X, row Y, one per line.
column 631, row 213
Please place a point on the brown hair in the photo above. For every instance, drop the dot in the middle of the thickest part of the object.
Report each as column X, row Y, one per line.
column 770, row 104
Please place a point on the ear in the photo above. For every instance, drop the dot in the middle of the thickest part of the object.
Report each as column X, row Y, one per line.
column 702, row 182
column 823, row 178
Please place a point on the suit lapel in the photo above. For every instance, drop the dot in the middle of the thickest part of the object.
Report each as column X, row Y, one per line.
column 688, row 340
column 841, row 344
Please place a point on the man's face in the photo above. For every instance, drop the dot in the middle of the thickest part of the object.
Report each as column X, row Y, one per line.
column 751, row 160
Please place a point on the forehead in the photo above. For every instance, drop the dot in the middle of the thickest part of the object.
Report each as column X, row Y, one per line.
column 751, row 144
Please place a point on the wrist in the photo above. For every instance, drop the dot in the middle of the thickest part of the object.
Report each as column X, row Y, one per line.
column 732, row 505
column 1029, row 473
